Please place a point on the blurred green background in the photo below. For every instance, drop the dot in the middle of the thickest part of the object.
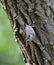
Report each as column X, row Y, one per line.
column 10, row 53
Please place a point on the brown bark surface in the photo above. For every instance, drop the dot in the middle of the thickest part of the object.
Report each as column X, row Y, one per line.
column 39, row 14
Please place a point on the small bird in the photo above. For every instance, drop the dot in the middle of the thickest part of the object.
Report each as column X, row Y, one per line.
column 30, row 33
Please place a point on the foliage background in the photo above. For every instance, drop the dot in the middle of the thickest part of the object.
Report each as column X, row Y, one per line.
column 10, row 53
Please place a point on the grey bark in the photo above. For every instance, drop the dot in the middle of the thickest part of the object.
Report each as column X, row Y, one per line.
column 39, row 14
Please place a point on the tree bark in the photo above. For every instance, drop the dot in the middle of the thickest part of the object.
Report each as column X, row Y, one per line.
column 39, row 14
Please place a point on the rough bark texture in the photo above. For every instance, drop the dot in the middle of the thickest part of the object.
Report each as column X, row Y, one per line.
column 39, row 14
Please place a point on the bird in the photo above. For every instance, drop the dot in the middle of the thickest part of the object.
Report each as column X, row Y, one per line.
column 30, row 33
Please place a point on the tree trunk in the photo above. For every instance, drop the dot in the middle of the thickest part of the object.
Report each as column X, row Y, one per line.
column 39, row 14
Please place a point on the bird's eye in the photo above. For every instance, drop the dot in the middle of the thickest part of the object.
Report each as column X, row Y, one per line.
column 28, row 36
